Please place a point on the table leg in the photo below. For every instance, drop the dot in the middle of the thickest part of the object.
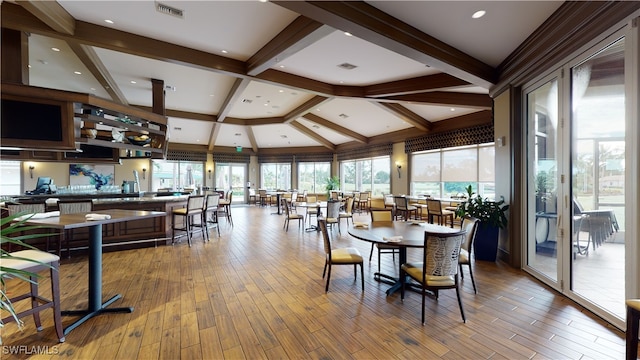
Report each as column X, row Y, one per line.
column 279, row 212
column 95, row 306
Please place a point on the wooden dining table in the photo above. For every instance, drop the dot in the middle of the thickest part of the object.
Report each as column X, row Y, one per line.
column 310, row 205
column 73, row 221
column 412, row 233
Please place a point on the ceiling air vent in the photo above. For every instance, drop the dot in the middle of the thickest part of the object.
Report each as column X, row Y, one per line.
column 166, row 9
column 347, row 66
column 247, row 101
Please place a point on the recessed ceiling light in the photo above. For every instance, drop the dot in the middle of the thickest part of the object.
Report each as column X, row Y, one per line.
column 280, row 91
column 108, row 21
column 77, row 72
column 225, row 52
column 133, row 81
column 212, row 95
column 281, row 66
column 348, row 33
column 238, row 134
column 453, row 109
column 93, row 89
column 478, row 14
column 55, row 49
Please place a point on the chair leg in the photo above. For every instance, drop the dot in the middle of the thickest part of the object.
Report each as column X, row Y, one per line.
column 326, row 289
column 424, row 294
column 460, row 304
column 371, row 253
column 473, row 281
column 633, row 319
column 34, row 301
column 362, row 275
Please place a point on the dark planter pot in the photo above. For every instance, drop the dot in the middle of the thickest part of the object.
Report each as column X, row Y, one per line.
column 485, row 244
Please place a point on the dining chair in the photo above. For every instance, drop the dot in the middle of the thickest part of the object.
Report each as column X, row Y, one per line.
column 403, row 208
column 347, row 213
column 363, row 201
column 290, row 214
column 302, row 197
column 71, row 207
column 210, row 212
column 434, row 209
column 262, row 194
column 342, row 256
column 469, row 225
column 224, row 206
column 195, row 204
column 35, row 261
column 388, row 201
column 633, row 319
column 311, row 211
column 293, row 199
column 438, row 269
column 383, row 215
column 421, row 205
column 333, row 213
column 253, row 197
column 334, row 195
column 14, row 208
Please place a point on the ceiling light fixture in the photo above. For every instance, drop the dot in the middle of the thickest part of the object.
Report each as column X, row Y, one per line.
column 224, row 52
column 55, row 49
column 478, row 14
column 133, row 81
column 77, row 72
column 348, row 33
column 108, row 21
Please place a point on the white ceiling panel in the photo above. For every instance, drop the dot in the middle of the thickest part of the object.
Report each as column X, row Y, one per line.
column 261, row 100
column 282, row 135
column 187, row 131
column 360, row 116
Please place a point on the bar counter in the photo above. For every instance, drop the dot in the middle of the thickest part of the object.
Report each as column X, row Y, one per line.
column 117, row 236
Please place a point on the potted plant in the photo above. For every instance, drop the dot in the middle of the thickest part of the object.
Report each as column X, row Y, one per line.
column 333, row 183
column 492, row 217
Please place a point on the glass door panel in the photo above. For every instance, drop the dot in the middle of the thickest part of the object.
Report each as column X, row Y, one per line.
column 238, row 182
column 598, row 173
column 543, row 151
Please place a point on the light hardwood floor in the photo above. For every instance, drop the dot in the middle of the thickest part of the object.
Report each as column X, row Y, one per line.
column 257, row 292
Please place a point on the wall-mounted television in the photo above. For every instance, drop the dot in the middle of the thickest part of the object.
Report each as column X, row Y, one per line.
column 93, row 152
column 36, row 123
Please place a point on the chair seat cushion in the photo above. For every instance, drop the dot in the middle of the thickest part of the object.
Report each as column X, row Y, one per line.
column 345, row 215
column 36, row 255
column 415, row 271
column 345, row 256
column 224, row 202
column 634, row 304
column 464, row 256
column 295, row 216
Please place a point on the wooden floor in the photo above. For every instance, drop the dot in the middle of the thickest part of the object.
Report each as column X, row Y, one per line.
column 257, row 292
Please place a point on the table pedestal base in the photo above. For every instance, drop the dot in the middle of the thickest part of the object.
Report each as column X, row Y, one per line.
column 88, row 314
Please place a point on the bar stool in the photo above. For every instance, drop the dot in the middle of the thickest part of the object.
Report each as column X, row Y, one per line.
column 633, row 319
column 195, row 204
column 37, row 261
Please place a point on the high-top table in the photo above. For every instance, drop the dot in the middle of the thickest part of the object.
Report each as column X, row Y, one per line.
column 412, row 233
column 74, row 221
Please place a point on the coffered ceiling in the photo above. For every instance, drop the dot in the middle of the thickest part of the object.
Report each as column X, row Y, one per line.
column 306, row 76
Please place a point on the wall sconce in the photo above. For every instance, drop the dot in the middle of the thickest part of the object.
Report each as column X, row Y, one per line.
column 399, row 167
column 144, row 173
column 209, row 171
column 31, row 168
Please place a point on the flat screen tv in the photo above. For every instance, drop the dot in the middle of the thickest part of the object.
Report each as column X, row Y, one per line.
column 36, row 123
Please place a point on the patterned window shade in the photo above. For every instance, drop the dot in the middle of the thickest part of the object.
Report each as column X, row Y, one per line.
column 279, row 158
column 366, row 152
column 186, row 156
column 231, row 158
column 470, row 136
column 323, row 157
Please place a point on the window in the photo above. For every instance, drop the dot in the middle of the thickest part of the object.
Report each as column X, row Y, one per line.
column 176, row 175
column 372, row 174
column 312, row 176
column 275, row 176
column 10, row 180
column 446, row 172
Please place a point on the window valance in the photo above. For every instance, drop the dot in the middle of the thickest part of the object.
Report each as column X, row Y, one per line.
column 470, row 136
column 366, row 152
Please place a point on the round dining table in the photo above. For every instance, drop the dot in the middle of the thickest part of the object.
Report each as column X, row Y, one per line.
column 403, row 234
column 318, row 206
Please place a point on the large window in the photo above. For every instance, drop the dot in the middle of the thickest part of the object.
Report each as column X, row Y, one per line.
column 275, row 176
column 10, row 177
column 372, row 174
column 176, row 175
column 312, row 176
column 447, row 172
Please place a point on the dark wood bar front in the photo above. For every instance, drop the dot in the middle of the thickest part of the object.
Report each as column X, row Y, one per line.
column 122, row 235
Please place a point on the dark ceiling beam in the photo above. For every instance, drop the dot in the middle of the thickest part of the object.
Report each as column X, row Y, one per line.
column 212, row 118
column 280, row 78
column 372, row 25
column 252, row 139
column 446, row 98
column 303, row 129
column 305, row 108
column 90, row 59
column 215, row 131
column 301, row 33
column 232, row 98
column 255, row 121
column 421, row 84
column 52, row 14
column 335, row 127
column 406, row 115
